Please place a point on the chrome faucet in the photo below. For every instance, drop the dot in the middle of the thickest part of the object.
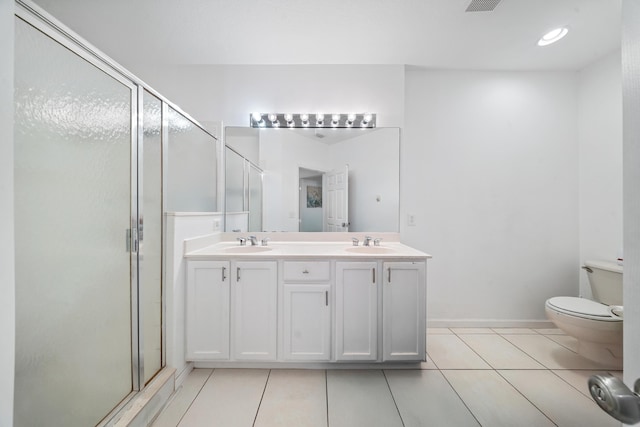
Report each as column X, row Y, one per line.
column 254, row 240
column 242, row 241
column 367, row 241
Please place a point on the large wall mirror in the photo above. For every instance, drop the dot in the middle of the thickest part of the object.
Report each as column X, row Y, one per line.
column 314, row 179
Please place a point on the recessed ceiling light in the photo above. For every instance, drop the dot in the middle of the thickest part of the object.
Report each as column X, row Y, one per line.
column 553, row 36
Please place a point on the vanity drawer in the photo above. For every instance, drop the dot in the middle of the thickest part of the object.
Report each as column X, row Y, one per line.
column 307, row 271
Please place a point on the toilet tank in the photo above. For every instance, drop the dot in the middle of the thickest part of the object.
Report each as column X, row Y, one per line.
column 605, row 279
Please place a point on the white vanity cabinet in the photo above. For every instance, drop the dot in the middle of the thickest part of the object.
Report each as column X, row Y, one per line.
column 299, row 304
column 306, row 310
column 236, row 297
column 356, row 316
column 207, row 314
column 403, row 311
column 254, row 298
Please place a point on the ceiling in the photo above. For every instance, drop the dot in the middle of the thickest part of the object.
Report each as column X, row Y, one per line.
column 422, row 33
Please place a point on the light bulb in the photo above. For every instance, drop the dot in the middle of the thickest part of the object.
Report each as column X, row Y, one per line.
column 350, row 119
column 273, row 118
column 257, row 117
column 335, row 120
column 289, row 119
column 553, row 36
column 319, row 119
column 367, row 119
column 304, row 118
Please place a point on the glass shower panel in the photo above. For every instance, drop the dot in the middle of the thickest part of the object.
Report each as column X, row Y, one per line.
column 255, row 199
column 191, row 177
column 72, row 208
column 151, row 246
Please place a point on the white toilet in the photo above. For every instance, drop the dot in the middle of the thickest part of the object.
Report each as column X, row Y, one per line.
column 597, row 323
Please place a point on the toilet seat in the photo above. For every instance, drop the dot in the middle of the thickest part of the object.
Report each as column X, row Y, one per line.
column 583, row 308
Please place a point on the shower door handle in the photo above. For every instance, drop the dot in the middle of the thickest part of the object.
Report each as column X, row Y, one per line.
column 615, row 398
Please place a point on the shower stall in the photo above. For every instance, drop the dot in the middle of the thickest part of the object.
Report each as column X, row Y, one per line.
column 99, row 158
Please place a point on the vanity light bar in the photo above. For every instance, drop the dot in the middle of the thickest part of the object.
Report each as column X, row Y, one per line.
column 307, row 120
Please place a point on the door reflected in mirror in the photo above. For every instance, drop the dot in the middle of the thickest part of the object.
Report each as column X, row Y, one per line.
column 319, row 179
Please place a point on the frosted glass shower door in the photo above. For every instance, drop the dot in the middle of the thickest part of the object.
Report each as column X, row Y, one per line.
column 73, row 192
column 151, row 237
column 192, row 174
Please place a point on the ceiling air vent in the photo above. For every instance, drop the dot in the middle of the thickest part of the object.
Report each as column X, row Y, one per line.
column 482, row 5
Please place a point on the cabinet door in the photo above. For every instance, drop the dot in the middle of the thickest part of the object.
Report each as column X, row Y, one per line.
column 254, row 313
column 307, row 322
column 207, row 310
column 356, row 311
column 403, row 311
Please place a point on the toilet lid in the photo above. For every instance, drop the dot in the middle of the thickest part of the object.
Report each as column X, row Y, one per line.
column 582, row 307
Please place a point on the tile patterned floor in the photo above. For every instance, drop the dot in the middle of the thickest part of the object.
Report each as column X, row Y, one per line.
column 473, row 377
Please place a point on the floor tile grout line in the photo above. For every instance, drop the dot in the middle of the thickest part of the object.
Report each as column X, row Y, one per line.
column 384, row 374
column 567, row 382
column 196, row 396
column 475, row 352
column 559, row 343
column 326, row 393
column 525, row 397
column 460, row 397
column 531, row 355
column 514, row 346
column 264, row 390
column 433, row 361
column 553, row 371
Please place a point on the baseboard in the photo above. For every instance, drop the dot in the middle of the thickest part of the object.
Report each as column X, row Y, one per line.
column 489, row 323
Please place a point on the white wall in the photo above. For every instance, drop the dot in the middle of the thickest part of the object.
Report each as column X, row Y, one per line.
column 600, row 135
column 231, row 92
column 7, row 271
column 490, row 171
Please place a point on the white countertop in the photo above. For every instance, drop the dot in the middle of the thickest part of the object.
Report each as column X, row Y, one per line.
column 306, row 250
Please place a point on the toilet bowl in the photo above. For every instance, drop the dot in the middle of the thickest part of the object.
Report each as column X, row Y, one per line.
column 597, row 325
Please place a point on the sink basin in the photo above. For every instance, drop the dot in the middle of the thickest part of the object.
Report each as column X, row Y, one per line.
column 247, row 249
column 370, row 250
